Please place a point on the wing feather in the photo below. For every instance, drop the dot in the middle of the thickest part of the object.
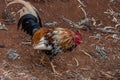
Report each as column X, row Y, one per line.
column 63, row 37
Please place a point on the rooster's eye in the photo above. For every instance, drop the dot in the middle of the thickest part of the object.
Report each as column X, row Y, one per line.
column 27, row 21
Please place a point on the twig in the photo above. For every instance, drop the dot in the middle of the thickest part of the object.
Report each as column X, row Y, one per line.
column 54, row 23
column 94, row 22
column 85, row 69
column 117, row 25
column 81, row 3
column 109, row 12
column 97, row 36
column 115, row 19
column 4, row 63
column 86, row 22
column 106, row 74
column 77, row 62
column 26, row 43
column 114, row 16
column 7, row 74
column 85, row 14
column 114, row 36
column 108, row 27
column 73, row 24
column 107, row 36
column 107, row 31
column 81, row 6
column 39, row 65
column 102, row 52
column 87, row 54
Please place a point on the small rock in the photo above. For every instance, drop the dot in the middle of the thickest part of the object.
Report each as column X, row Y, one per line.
column 98, row 36
column 13, row 55
column 102, row 52
column 3, row 27
column 70, row 74
column 95, row 54
column 86, row 22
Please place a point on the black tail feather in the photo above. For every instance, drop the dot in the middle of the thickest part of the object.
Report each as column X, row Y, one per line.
column 29, row 23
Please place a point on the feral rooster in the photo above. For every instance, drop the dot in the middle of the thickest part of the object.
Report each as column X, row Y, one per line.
column 51, row 41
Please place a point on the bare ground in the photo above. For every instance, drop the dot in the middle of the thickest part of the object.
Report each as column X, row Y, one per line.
column 74, row 65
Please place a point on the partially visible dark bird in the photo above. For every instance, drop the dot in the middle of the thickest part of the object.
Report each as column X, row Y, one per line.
column 26, row 10
column 30, row 24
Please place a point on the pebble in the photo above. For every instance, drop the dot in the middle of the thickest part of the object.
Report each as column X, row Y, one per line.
column 12, row 54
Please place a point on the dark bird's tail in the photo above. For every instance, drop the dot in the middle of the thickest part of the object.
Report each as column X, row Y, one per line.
column 30, row 20
column 29, row 24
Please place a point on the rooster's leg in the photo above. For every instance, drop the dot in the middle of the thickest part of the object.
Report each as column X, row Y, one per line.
column 53, row 68
column 42, row 57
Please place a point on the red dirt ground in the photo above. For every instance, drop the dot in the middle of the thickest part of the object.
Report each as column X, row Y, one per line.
column 89, row 68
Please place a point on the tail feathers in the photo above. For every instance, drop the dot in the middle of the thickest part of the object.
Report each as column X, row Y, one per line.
column 29, row 17
column 29, row 24
column 28, row 9
column 25, row 3
column 40, row 23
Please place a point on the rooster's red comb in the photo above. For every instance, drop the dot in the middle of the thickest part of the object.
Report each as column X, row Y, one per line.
column 78, row 38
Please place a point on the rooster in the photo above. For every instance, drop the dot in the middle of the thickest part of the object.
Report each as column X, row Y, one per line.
column 53, row 41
